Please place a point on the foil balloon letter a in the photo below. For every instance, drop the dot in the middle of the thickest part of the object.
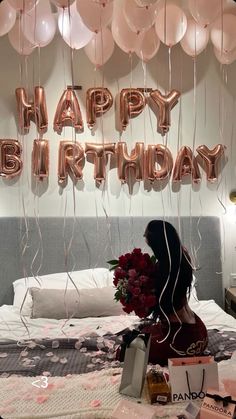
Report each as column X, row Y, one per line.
column 68, row 112
column 186, row 164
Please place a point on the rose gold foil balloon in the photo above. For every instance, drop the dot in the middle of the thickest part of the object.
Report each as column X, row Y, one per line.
column 40, row 159
column 35, row 110
column 10, row 158
column 70, row 161
column 211, row 158
column 132, row 103
column 135, row 161
column 186, row 164
column 98, row 101
column 68, row 112
column 164, row 103
column 158, row 154
column 100, row 152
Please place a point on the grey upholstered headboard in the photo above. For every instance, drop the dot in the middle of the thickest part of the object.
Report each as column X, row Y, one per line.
column 45, row 247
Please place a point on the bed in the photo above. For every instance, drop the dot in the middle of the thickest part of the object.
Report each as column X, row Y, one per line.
column 71, row 361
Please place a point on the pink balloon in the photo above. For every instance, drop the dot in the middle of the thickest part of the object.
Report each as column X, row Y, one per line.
column 223, row 33
column 7, row 18
column 148, row 45
column 195, row 39
column 171, row 24
column 122, row 34
column 62, row 3
column 23, row 5
column 205, row 11
column 72, row 28
column 39, row 25
column 225, row 57
column 18, row 41
column 139, row 18
column 100, row 48
column 95, row 15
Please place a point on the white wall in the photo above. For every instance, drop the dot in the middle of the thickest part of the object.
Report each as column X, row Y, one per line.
column 215, row 115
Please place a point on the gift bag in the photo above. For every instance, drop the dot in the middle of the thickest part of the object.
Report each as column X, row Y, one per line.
column 217, row 405
column 135, row 364
column 190, row 377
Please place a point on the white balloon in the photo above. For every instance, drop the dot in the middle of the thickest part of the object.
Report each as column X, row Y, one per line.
column 18, row 41
column 39, row 25
column 62, row 3
column 95, row 14
column 122, row 34
column 7, row 18
column 225, row 57
column 195, row 39
column 143, row 3
column 223, row 33
column 72, row 28
column 23, row 5
column 139, row 18
column 100, row 48
column 148, row 45
column 171, row 24
column 205, row 11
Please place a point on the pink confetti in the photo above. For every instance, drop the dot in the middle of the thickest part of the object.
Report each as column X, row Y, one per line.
column 41, row 399
column 95, row 403
column 46, row 373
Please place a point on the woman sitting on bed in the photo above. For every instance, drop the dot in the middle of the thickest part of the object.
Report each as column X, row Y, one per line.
column 179, row 332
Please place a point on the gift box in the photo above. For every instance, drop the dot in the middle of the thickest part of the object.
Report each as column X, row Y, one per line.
column 126, row 409
column 217, row 405
column 191, row 376
column 135, row 364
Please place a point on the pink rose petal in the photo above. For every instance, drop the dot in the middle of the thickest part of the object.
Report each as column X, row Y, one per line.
column 96, row 403
column 41, row 399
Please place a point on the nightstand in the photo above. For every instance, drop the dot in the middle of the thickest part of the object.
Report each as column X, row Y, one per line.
column 230, row 301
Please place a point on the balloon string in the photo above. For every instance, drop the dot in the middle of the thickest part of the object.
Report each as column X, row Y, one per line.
column 170, row 68
column 63, row 47
column 39, row 250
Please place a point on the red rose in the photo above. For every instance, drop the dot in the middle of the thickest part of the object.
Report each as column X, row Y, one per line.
column 136, row 291
column 150, row 300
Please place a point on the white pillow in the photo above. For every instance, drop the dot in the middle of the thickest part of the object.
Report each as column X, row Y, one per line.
column 91, row 302
column 87, row 278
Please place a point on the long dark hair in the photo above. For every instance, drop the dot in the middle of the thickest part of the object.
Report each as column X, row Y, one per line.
column 173, row 262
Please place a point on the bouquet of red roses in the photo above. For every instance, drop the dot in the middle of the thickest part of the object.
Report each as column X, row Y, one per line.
column 134, row 279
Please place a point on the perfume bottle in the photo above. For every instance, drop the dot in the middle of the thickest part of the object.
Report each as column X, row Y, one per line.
column 158, row 388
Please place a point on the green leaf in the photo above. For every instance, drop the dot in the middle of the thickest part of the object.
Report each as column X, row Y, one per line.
column 153, row 259
column 112, row 268
column 113, row 262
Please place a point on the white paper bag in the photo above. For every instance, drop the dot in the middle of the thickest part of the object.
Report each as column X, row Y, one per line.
column 135, row 365
column 191, row 377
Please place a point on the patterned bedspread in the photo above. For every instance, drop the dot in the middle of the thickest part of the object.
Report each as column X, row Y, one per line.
column 70, row 356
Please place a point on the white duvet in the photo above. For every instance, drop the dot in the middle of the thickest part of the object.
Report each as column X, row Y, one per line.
column 12, row 326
